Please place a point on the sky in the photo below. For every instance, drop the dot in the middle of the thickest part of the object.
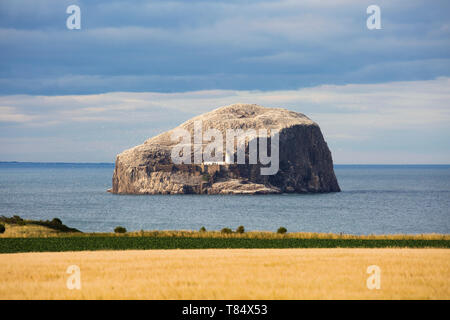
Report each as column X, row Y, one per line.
column 138, row 68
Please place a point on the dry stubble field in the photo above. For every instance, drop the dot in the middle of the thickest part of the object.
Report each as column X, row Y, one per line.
column 228, row 274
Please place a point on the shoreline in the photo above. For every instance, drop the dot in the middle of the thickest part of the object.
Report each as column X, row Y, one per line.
column 53, row 236
column 38, row 229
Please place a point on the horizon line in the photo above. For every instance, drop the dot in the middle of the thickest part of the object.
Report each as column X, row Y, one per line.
column 339, row 164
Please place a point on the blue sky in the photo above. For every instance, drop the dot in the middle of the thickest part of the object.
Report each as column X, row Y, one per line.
column 137, row 68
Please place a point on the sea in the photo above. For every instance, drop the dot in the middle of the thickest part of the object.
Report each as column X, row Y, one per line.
column 375, row 199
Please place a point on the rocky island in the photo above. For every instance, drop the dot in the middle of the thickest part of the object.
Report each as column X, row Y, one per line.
column 303, row 163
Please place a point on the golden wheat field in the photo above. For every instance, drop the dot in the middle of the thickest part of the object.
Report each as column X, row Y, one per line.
column 228, row 274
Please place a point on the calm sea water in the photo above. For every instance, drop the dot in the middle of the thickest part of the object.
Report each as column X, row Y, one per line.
column 374, row 199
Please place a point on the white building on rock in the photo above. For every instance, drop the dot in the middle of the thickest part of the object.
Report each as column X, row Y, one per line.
column 228, row 160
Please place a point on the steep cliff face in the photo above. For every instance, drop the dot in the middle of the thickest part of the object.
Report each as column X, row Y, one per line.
column 305, row 163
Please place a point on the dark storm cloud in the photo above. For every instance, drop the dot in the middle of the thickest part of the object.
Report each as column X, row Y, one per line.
column 171, row 46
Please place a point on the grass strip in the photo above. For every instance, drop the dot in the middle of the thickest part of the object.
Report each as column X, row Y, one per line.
column 12, row 245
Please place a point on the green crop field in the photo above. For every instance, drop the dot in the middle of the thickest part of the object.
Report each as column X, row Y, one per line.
column 11, row 245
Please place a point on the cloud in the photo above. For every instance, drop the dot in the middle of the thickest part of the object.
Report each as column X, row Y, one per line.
column 137, row 68
column 8, row 114
column 388, row 118
column 175, row 46
column 386, row 104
